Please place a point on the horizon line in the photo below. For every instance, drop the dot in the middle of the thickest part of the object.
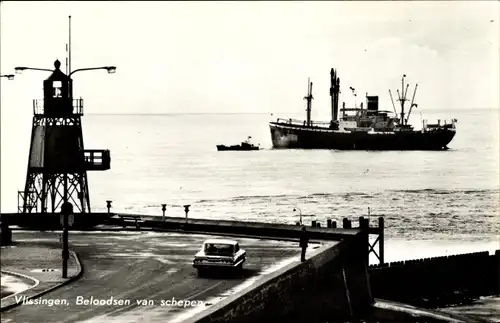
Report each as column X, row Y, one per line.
column 242, row 113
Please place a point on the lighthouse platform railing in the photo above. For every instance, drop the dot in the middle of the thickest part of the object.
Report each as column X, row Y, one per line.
column 76, row 107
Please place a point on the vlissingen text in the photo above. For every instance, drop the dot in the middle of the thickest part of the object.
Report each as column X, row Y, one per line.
column 41, row 301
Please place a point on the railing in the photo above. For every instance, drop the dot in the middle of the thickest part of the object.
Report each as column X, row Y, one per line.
column 447, row 124
column 21, row 200
column 97, row 159
column 302, row 122
column 39, row 110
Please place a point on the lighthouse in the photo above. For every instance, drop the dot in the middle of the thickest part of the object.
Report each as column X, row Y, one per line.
column 58, row 162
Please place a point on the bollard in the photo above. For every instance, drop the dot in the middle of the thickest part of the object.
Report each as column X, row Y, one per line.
column 108, row 205
column 186, row 209
column 313, row 223
column 346, row 223
column 329, row 223
column 163, row 209
column 363, row 222
column 334, row 224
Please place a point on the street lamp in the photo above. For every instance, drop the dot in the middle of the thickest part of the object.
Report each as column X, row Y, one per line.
column 300, row 214
column 20, row 69
column 8, row 76
column 110, row 69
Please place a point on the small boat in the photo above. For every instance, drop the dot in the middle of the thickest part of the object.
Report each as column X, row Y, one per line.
column 245, row 145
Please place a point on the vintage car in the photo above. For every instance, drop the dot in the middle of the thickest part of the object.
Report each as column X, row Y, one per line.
column 219, row 253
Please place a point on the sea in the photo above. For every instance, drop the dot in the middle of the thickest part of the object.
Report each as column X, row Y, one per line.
column 434, row 203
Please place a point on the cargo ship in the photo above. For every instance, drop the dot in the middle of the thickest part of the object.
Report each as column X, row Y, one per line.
column 362, row 128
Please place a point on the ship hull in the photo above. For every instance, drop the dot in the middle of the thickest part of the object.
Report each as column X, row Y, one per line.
column 235, row 148
column 296, row 136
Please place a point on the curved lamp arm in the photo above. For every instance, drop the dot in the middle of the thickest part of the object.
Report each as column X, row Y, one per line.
column 22, row 68
column 110, row 69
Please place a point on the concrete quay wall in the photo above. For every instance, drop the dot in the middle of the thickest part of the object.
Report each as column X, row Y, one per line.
column 51, row 221
column 88, row 221
column 439, row 281
column 332, row 284
column 244, row 228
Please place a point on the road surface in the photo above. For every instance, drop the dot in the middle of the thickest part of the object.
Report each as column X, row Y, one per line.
column 153, row 269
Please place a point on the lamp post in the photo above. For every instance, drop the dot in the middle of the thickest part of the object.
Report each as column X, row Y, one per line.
column 186, row 209
column 163, row 208
column 108, row 205
column 66, row 210
column 300, row 214
column 10, row 77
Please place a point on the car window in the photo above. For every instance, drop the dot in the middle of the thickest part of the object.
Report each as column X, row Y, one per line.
column 219, row 249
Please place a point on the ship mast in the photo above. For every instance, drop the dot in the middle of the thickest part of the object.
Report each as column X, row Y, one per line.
column 393, row 106
column 402, row 98
column 309, row 97
column 412, row 104
column 334, row 93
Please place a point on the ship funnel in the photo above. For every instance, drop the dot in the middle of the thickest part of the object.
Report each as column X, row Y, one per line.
column 372, row 103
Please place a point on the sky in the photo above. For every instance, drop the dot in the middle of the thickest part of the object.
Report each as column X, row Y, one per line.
column 246, row 57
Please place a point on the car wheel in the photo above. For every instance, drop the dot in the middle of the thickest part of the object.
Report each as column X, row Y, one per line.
column 201, row 272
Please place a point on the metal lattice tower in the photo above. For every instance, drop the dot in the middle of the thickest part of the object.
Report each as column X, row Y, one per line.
column 58, row 162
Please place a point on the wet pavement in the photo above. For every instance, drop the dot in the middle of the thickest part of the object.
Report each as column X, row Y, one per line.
column 13, row 284
column 139, row 276
column 29, row 269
